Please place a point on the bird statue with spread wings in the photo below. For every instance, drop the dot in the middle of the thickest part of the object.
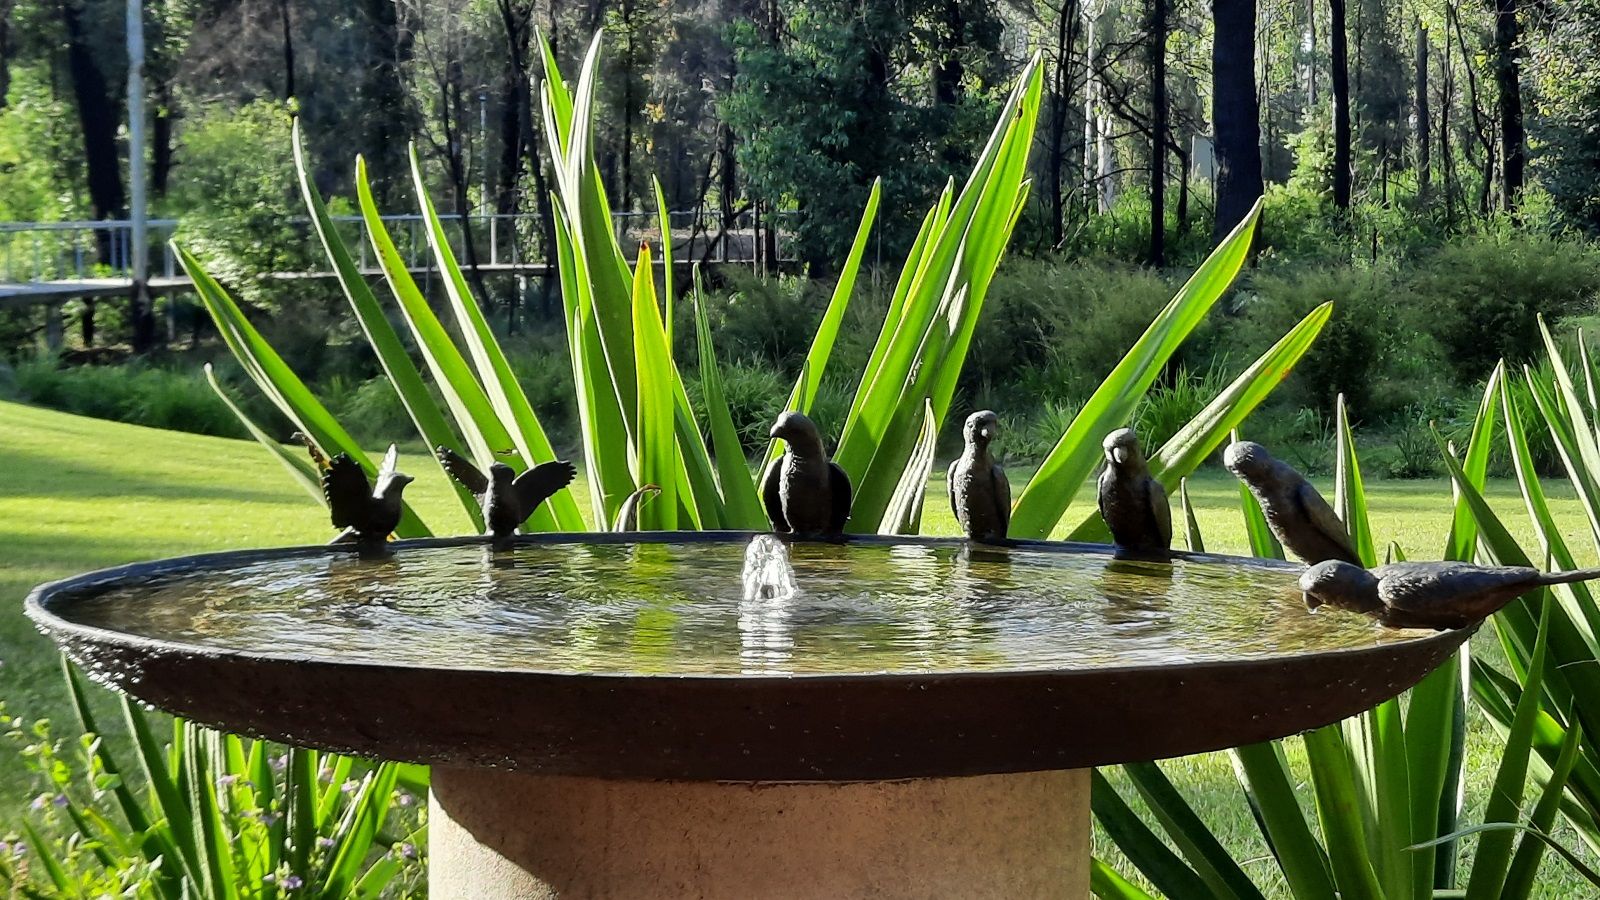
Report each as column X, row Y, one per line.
column 507, row 499
column 366, row 512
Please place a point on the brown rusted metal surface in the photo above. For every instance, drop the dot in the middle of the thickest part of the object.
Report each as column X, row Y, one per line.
column 727, row 727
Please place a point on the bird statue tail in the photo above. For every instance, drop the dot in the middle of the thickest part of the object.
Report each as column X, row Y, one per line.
column 1549, row 578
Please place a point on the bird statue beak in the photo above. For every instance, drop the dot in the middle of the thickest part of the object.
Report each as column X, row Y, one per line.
column 775, row 432
column 1119, row 455
column 986, row 432
column 1312, row 601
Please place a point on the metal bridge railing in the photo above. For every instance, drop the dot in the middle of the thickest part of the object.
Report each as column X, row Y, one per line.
column 40, row 252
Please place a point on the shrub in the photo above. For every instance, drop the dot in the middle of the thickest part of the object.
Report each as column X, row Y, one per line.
column 135, row 392
column 1482, row 295
column 1376, row 350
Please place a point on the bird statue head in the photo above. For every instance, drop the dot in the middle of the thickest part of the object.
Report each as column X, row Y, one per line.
column 1247, row 458
column 797, row 430
column 390, row 488
column 1339, row 584
column 981, row 427
column 502, row 473
column 1122, row 450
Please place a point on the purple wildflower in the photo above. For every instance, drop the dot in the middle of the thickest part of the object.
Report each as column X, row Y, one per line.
column 227, row 781
column 406, row 799
column 19, row 849
column 326, row 775
column 293, row 883
column 280, row 762
column 408, row 851
column 40, row 801
column 325, row 842
column 59, row 800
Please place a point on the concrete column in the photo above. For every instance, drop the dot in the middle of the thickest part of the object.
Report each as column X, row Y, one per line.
column 499, row 835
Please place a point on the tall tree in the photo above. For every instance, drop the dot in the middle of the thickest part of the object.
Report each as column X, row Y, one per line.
column 1157, row 23
column 1062, row 90
column 1424, row 142
column 1235, row 111
column 1341, row 104
column 1508, row 79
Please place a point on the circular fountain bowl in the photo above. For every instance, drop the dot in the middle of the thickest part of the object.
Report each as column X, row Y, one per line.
column 664, row 656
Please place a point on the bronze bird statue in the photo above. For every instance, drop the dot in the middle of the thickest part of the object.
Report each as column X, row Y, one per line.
column 1302, row 521
column 1440, row 595
column 1133, row 503
column 367, row 512
column 508, row 499
column 980, row 494
column 804, row 491
column 628, row 515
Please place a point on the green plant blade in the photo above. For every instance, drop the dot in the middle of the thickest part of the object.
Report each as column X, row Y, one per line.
column 656, row 439
column 1051, row 490
column 505, row 393
column 904, row 515
column 816, row 362
column 1200, row 437
column 743, row 507
column 1165, row 869
column 1211, row 861
column 1264, row 774
column 277, row 381
column 299, row 467
column 1519, row 882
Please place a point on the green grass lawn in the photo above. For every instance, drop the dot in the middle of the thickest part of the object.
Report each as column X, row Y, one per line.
column 79, row 494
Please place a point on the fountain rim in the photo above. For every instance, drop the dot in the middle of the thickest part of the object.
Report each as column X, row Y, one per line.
column 39, row 602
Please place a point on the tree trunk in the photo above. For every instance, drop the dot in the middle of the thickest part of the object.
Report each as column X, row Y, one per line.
column 1341, row 107
column 1424, row 138
column 1508, row 79
column 1311, row 50
column 5, row 50
column 628, row 101
column 948, row 70
column 1060, row 104
column 98, row 116
column 1235, row 114
column 384, row 105
column 288, row 49
column 161, row 139
column 1156, row 46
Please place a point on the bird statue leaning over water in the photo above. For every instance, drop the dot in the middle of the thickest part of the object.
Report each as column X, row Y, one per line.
column 1132, row 502
column 368, row 512
column 804, row 491
column 628, row 515
column 1302, row 521
column 1441, row 595
column 508, row 499
column 980, row 494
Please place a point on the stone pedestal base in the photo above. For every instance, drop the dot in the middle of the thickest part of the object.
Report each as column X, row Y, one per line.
column 499, row 835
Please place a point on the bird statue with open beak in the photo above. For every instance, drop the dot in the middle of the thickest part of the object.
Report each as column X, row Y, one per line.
column 1440, row 595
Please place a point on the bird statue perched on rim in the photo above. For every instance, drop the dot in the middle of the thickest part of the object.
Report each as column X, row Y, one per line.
column 980, row 494
column 507, row 499
column 804, row 491
column 1132, row 502
column 1301, row 520
column 367, row 512
column 1440, row 595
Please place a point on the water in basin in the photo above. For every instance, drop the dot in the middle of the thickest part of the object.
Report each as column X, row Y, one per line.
column 699, row 609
